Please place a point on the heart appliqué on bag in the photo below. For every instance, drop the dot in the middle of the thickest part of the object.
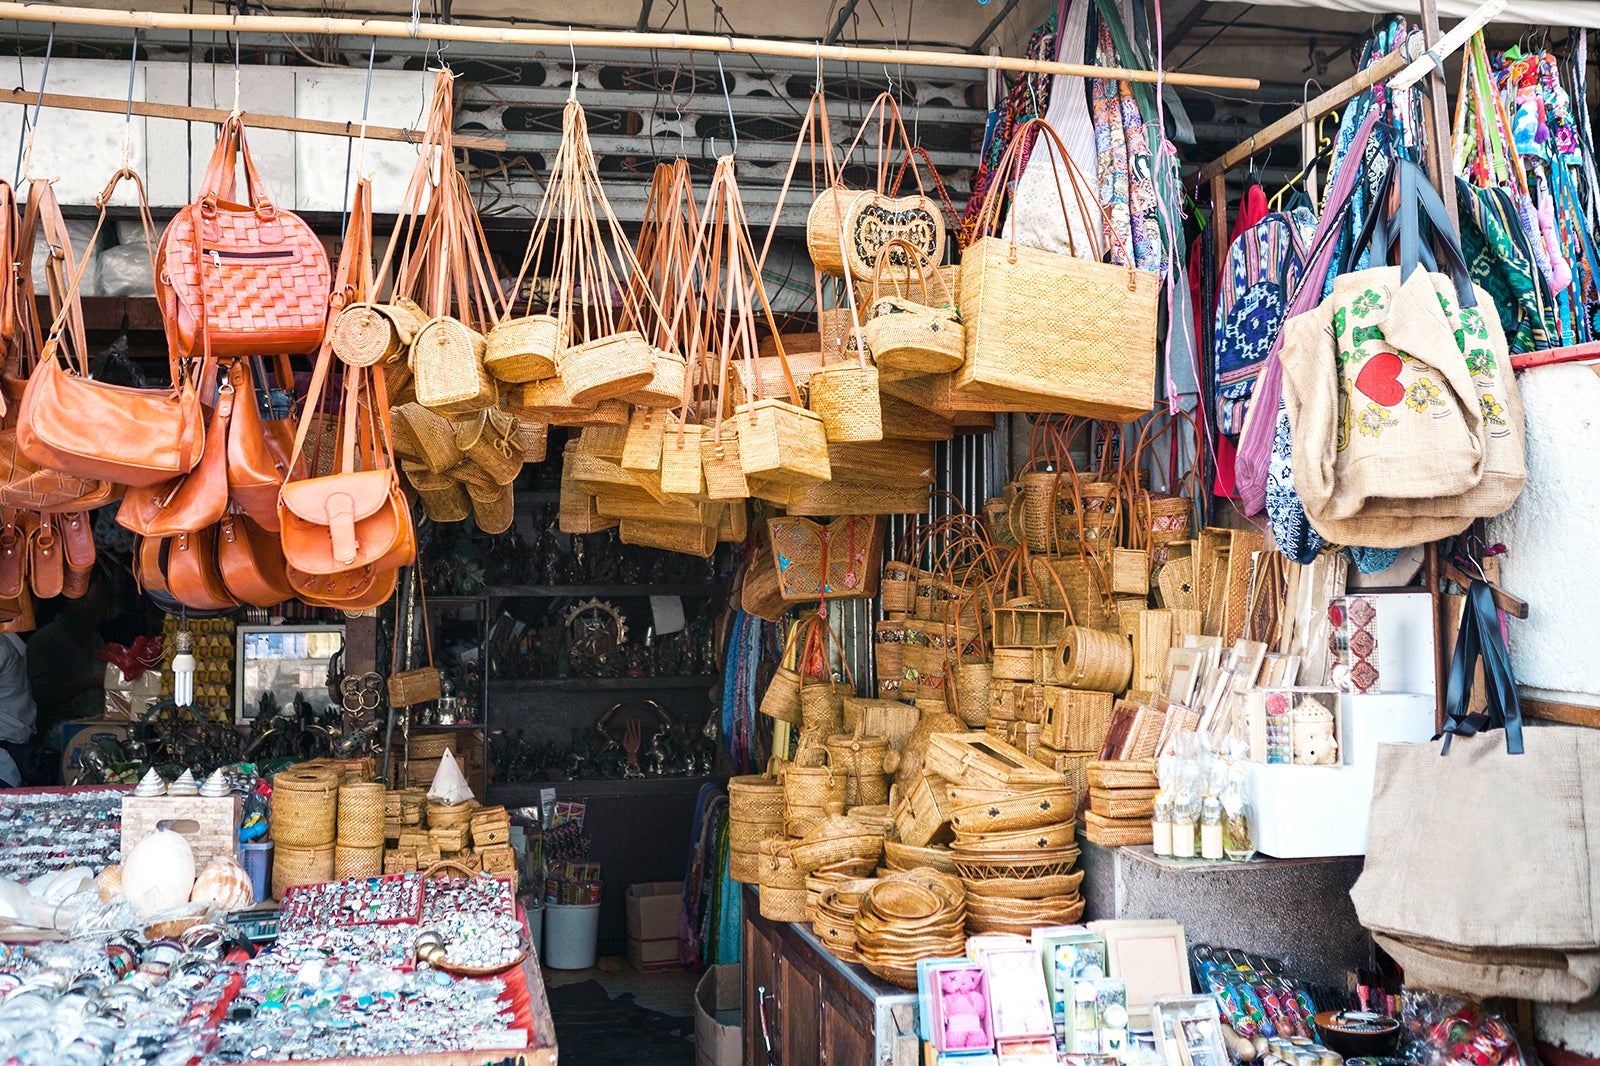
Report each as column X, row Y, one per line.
column 1379, row 379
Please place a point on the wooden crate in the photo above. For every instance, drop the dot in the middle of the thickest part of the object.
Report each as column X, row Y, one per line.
column 1123, row 802
column 1117, row 832
column 1076, row 719
column 209, row 824
column 1131, row 773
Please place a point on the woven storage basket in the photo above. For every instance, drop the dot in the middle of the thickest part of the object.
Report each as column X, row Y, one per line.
column 305, row 806
column 720, row 462
column 449, row 815
column 293, row 865
column 890, row 719
column 783, row 904
column 525, row 349
column 1086, row 584
column 837, row 840
column 665, row 388
column 361, row 814
column 607, row 368
column 755, row 798
column 413, row 801
column 972, row 692
column 810, row 783
column 447, row 359
column 549, row 401
column 425, row 745
column 1013, row 664
column 778, row 867
column 1130, row 572
column 898, row 856
column 680, row 461
column 489, row 439
column 798, row 821
column 907, row 421
column 366, row 334
column 352, row 862
column 492, row 509
column 845, row 396
column 888, row 657
column 748, row 836
column 744, row 866
column 848, row 496
column 898, row 588
column 923, row 814
column 407, row 449
column 670, row 536
column 641, row 447
column 782, row 698
column 782, row 443
column 434, row 435
column 448, row 504
column 1093, row 517
column 534, row 436
column 1096, row 660
column 821, row 708
column 865, row 762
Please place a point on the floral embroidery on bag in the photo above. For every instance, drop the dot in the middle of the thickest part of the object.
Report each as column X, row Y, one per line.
column 1481, row 361
column 1423, row 394
column 1374, row 420
column 1493, row 412
column 1340, row 320
column 1363, row 334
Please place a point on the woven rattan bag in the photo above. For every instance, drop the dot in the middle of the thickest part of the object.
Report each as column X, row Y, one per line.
column 913, row 331
column 1061, row 333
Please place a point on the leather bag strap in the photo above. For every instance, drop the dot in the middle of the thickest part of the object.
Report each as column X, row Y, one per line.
column 1481, row 640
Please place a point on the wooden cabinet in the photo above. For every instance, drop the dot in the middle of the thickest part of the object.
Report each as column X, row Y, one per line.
column 817, row 1011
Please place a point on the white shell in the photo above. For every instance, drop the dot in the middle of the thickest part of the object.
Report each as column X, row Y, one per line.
column 15, row 903
column 159, row 873
column 109, row 883
column 59, row 884
column 151, row 784
column 216, row 785
column 184, row 786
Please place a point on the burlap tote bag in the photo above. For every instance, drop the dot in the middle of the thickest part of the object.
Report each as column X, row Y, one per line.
column 1481, row 870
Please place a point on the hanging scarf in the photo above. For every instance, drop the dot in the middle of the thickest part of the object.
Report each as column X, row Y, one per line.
column 702, row 876
column 1028, row 99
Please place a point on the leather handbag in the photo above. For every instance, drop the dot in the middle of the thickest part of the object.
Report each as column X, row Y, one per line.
column 362, row 589
column 23, row 483
column 78, row 552
column 251, row 561
column 258, row 448
column 238, row 279
column 354, row 521
column 143, row 436
column 47, row 568
column 188, row 564
column 13, row 555
column 196, row 499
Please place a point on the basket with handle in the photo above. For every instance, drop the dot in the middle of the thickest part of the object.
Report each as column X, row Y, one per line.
column 867, row 763
column 782, row 698
column 910, row 336
column 810, row 784
column 1157, row 519
column 452, row 866
column 407, row 688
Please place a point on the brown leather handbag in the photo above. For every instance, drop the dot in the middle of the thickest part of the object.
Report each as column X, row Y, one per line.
column 13, row 555
column 47, row 565
column 237, row 279
column 142, row 436
column 251, row 561
column 189, row 566
column 195, row 500
column 356, row 517
column 259, row 449
column 77, row 545
column 353, row 590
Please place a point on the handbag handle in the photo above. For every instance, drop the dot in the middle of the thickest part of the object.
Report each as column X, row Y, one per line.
column 1006, row 174
column 1480, row 639
column 1413, row 196
column 916, row 258
column 218, row 185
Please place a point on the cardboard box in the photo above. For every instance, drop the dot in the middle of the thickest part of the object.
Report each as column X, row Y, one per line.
column 653, row 908
column 1306, row 812
column 718, row 1019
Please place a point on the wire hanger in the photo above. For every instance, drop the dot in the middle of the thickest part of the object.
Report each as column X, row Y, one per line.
column 359, row 148
column 733, row 127
column 127, row 115
column 235, row 112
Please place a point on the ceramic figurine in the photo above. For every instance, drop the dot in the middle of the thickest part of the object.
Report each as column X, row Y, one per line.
column 1314, row 743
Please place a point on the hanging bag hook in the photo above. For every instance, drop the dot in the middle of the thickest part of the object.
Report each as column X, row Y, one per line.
column 31, row 126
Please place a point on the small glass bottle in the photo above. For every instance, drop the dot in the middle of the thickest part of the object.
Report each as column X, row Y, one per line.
column 1161, row 826
column 1211, row 829
column 1238, row 818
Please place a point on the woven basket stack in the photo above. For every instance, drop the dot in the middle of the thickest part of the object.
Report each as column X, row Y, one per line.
column 305, row 809
column 427, row 750
column 755, row 814
column 1122, row 799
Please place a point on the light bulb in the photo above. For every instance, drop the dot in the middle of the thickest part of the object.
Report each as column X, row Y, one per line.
column 183, row 670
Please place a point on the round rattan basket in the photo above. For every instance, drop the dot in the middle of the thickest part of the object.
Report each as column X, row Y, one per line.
column 744, row 866
column 300, row 866
column 524, row 349
column 1024, row 887
column 1023, row 811
column 782, row 698
column 972, row 692
column 864, row 760
column 448, row 815
column 755, row 798
column 607, row 368
column 361, row 815
column 838, row 839
column 810, row 783
column 352, row 862
column 305, row 805
column 492, row 509
column 1037, row 838
column 783, row 904
column 778, row 866
column 1096, row 660
column 900, row 856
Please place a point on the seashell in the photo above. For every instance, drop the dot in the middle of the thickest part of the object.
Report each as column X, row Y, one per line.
column 151, row 784
column 216, row 786
column 184, row 786
column 225, row 884
column 109, row 883
column 158, row 874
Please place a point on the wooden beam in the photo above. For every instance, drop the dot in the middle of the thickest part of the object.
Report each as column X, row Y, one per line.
column 1572, row 353
column 1556, row 711
column 546, row 38
column 320, row 127
column 1290, row 124
column 994, row 24
column 1436, row 119
column 1181, row 31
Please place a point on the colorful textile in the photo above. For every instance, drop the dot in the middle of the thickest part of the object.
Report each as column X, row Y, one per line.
column 1126, row 170
column 1028, row 98
column 1251, row 304
column 1501, row 262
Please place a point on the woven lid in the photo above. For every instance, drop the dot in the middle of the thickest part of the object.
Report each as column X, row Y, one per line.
column 301, row 779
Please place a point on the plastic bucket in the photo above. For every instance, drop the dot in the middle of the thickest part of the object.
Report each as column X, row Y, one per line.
column 571, row 931
column 256, row 858
column 536, row 927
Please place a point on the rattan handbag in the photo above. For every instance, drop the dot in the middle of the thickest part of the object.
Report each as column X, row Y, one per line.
column 912, row 334
column 837, row 561
column 1048, row 329
column 407, row 688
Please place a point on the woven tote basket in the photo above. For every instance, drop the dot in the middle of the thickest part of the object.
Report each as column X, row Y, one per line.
column 681, row 459
column 447, row 359
column 907, row 421
column 361, row 814
column 911, row 335
column 811, row 787
column 847, row 495
column 898, row 588
column 525, row 349
column 685, row 538
column 821, row 709
column 351, row 861
column 845, row 397
column 641, row 448
column 493, row 509
column 1067, row 334
column 719, row 459
column 489, row 439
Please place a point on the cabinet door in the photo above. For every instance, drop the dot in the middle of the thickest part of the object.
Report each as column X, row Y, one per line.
column 846, row 1039
column 760, row 994
column 802, row 1020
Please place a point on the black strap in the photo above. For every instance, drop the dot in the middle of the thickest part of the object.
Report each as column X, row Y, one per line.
column 1382, row 230
column 1480, row 639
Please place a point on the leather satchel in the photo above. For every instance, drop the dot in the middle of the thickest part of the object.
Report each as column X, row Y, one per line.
column 142, row 436
column 238, row 279
column 195, row 500
column 47, row 567
column 78, row 552
column 189, row 567
column 251, row 561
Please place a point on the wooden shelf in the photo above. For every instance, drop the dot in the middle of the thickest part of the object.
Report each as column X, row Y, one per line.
column 701, row 588
column 600, row 684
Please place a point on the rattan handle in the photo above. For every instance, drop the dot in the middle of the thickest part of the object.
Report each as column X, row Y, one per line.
column 449, row 864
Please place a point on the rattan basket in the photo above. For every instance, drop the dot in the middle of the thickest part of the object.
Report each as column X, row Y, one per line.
column 1020, row 812
column 898, row 588
column 607, row 368
column 810, row 783
column 909, row 338
column 1096, row 660
column 524, row 349
column 492, row 509
column 719, row 460
column 782, row 443
column 447, row 359
column 755, row 798
column 782, row 698
column 434, row 435
column 838, row 839
column 972, row 692
column 352, row 862
column 489, row 439
column 744, row 866
column 845, row 396
column 447, row 504
column 293, row 865
column 365, row 334
column 900, row 856
column 361, row 815
column 821, row 708
column 305, row 805
column 783, row 904
column 867, row 763
column 779, row 869
column 1013, row 663
column 665, row 388
column 445, row 816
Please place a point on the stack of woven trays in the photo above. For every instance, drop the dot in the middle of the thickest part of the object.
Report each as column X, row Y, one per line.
column 904, row 918
column 1015, row 851
column 1122, row 798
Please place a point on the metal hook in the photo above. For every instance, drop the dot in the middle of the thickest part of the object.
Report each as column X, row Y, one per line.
column 733, row 127
column 817, row 89
column 31, row 126
column 360, row 147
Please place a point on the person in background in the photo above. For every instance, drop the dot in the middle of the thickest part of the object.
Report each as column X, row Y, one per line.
column 67, row 678
column 17, row 714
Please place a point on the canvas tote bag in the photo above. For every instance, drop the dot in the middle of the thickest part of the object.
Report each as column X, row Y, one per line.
column 1482, row 874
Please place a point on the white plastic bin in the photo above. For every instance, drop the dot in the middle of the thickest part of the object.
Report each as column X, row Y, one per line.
column 571, row 931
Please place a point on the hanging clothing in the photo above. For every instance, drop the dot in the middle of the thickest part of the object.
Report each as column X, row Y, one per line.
column 1262, row 270
column 1502, row 264
column 1028, row 98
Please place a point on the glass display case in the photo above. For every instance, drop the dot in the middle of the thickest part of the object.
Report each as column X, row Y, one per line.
column 285, row 661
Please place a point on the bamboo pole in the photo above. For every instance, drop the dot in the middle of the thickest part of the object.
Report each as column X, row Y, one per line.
column 1309, row 112
column 544, row 38
column 28, row 98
